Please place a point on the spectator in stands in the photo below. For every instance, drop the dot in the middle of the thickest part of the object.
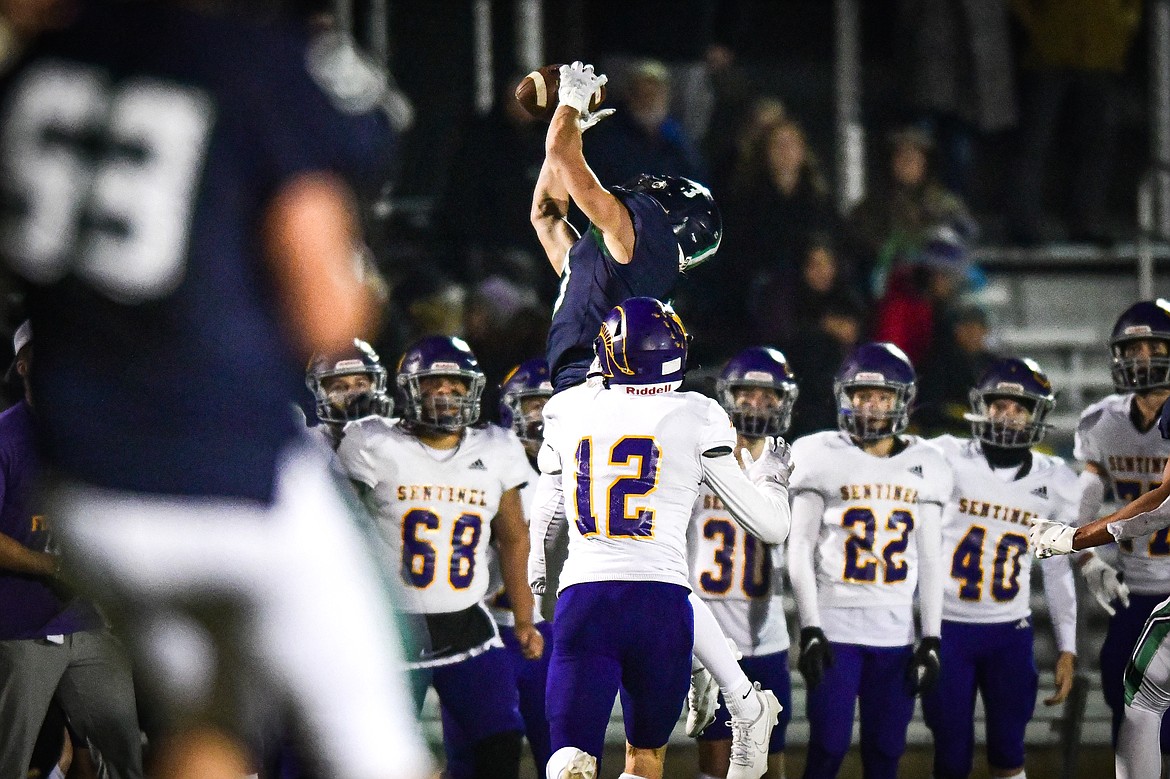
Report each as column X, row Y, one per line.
column 955, row 365
column 959, row 76
column 786, row 307
column 815, row 357
column 484, row 208
column 894, row 218
column 642, row 136
column 921, row 291
column 1076, row 52
column 779, row 198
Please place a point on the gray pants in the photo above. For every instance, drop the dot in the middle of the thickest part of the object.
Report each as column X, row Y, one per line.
column 91, row 679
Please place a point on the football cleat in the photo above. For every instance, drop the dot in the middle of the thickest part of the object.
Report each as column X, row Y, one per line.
column 750, row 738
column 702, row 702
column 571, row 763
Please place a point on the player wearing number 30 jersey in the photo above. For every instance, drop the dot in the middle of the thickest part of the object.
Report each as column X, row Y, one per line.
column 866, row 535
column 631, row 454
column 440, row 489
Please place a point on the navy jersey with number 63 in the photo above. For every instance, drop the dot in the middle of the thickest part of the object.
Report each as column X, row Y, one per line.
column 141, row 147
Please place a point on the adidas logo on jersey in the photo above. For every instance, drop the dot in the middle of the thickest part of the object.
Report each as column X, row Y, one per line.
column 916, row 470
column 478, row 466
column 1041, row 491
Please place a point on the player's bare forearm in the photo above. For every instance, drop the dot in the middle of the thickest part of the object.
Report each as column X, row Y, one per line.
column 549, row 217
column 18, row 558
column 511, row 534
column 1097, row 533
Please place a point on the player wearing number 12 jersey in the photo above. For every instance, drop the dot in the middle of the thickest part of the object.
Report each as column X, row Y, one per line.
column 631, row 454
column 441, row 488
column 1001, row 487
column 866, row 535
column 1118, row 441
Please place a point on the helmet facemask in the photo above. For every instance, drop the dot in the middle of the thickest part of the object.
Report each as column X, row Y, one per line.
column 870, row 424
column 339, row 399
column 994, row 424
column 449, row 411
column 762, row 418
column 1138, row 370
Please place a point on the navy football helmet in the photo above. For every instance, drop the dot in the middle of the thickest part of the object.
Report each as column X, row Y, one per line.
column 697, row 224
column 529, row 379
column 437, row 356
column 758, row 366
column 1148, row 320
column 875, row 365
column 1020, row 380
column 338, row 404
column 642, row 341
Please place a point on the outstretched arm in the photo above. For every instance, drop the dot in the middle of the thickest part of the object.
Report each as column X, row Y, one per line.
column 549, row 217
column 761, row 508
column 1148, row 514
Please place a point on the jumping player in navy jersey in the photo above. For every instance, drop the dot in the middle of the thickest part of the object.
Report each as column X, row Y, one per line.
column 176, row 192
column 641, row 235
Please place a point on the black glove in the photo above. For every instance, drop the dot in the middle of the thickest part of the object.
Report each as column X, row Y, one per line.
column 815, row 656
column 922, row 673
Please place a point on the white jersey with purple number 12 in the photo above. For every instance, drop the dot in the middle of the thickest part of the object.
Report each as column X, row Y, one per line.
column 631, row 469
column 435, row 507
column 1133, row 462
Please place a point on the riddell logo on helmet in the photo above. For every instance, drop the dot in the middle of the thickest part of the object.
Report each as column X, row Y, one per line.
column 1138, row 330
column 657, row 389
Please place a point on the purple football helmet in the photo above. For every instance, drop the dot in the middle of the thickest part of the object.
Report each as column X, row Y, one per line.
column 878, row 365
column 1148, row 320
column 439, row 355
column 1020, row 380
column 529, row 379
column 338, row 405
column 694, row 217
column 642, row 341
column 758, row 366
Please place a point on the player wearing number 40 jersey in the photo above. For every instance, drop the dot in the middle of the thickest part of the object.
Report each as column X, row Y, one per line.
column 733, row 571
column 1001, row 486
column 441, row 488
column 631, row 453
column 1118, row 442
column 866, row 536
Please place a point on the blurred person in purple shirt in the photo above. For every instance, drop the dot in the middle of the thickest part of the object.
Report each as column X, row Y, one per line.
column 52, row 644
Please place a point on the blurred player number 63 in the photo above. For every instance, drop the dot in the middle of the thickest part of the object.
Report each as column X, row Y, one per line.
column 537, row 92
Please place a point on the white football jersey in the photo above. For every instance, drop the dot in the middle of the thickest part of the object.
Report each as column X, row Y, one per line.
column 631, row 468
column 435, row 507
column 985, row 530
column 738, row 576
column 1133, row 462
column 866, row 555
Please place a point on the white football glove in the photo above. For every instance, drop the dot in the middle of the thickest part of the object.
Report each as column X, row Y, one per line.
column 774, row 466
column 578, row 85
column 585, row 121
column 1105, row 583
column 1050, row 538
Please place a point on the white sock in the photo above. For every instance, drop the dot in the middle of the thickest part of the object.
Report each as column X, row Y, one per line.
column 1019, row 775
column 1138, row 754
column 712, row 651
column 630, row 776
column 56, row 773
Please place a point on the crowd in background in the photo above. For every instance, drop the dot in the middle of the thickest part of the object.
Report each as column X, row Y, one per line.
column 793, row 270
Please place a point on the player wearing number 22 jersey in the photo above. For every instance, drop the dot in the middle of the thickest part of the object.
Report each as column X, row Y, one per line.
column 631, row 453
column 866, row 514
column 441, row 488
column 1001, row 487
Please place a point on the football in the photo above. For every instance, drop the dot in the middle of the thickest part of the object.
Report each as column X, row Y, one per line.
column 537, row 92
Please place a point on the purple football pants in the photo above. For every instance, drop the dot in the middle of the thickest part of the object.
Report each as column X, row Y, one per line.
column 875, row 677
column 609, row 637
